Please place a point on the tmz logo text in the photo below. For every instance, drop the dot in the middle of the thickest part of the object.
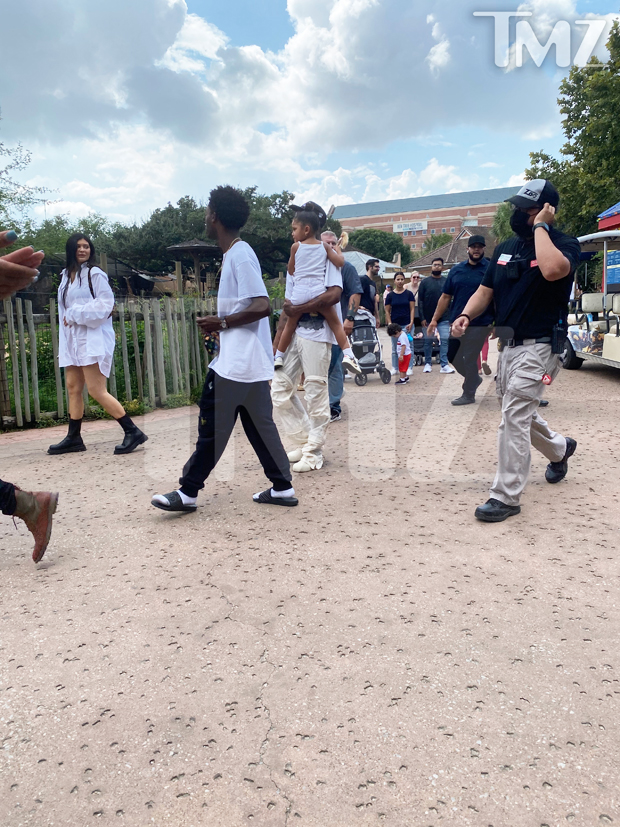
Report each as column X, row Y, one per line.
column 560, row 37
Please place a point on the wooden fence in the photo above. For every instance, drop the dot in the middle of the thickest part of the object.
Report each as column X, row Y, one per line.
column 159, row 357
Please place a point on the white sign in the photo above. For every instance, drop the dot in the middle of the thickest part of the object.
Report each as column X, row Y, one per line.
column 409, row 225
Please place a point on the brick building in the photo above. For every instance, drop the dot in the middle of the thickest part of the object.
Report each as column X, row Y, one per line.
column 416, row 218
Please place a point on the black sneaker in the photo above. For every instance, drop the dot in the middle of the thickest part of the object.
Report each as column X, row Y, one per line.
column 495, row 511
column 464, row 400
column 335, row 416
column 556, row 471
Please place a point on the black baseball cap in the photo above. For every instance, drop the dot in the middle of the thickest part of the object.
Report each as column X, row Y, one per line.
column 477, row 239
column 535, row 194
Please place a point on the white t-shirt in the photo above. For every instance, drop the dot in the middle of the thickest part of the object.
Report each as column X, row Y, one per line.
column 246, row 353
column 316, row 329
column 403, row 340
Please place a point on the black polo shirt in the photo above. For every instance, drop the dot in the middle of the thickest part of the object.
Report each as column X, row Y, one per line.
column 527, row 306
column 462, row 282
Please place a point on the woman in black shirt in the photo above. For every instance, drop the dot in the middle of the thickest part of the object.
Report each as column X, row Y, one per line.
column 399, row 309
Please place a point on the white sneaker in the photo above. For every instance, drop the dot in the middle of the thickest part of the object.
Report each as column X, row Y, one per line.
column 427, row 369
column 278, row 362
column 447, row 369
column 393, row 372
column 409, row 371
column 295, row 455
column 351, row 363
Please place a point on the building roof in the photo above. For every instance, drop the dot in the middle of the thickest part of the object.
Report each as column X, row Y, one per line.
column 359, row 259
column 455, row 250
column 615, row 210
column 426, row 202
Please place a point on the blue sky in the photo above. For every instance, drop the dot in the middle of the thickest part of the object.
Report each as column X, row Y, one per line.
column 336, row 100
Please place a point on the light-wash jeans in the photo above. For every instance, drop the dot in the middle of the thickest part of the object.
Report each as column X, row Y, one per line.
column 303, row 428
column 395, row 352
column 443, row 329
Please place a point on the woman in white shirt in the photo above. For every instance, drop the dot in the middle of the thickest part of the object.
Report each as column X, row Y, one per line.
column 86, row 345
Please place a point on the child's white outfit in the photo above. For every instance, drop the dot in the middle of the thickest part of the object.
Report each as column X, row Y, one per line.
column 310, row 267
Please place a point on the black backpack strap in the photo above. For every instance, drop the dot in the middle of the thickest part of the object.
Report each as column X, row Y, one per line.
column 90, row 284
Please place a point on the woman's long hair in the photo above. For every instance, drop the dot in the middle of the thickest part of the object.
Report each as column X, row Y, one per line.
column 72, row 262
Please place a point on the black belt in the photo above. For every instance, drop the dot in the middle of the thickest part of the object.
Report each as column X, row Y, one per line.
column 541, row 340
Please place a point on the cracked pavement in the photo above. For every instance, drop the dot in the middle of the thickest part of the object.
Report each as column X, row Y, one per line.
column 374, row 656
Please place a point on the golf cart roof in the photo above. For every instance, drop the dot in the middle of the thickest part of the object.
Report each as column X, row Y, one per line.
column 594, row 243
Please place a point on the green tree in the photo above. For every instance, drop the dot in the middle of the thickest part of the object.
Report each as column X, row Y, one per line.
column 588, row 172
column 16, row 198
column 432, row 242
column 501, row 223
column 380, row 244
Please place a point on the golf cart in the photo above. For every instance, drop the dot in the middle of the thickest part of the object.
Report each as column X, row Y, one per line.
column 594, row 323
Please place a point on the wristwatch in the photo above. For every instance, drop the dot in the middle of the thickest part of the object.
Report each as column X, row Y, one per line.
column 540, row 224
column 224, row 323
column 350, row 317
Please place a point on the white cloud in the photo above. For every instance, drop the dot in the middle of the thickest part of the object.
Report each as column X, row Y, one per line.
column 490, row 165
column 159, row 97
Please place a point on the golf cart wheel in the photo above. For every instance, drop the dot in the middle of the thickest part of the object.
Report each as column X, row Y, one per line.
column 570, row 360
column 386, row 377
column 361, row 379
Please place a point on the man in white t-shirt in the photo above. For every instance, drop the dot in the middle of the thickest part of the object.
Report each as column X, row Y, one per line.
column 309, row 353
column 237, row 382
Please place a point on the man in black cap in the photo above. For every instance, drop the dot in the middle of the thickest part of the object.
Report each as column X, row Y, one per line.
column 462, row 282
column 529, row 278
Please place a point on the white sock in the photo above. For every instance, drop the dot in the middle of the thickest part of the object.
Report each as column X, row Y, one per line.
column 290, row 492
column 348, row 351
column 185, row 499
column 279, row 354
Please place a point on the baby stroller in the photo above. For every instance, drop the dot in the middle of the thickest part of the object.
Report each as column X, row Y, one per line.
column 418, row 347
column 367, row 348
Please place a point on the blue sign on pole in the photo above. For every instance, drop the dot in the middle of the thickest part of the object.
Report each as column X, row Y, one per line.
column 613, row 267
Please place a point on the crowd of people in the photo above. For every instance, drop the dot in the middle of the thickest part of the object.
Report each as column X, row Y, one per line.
column 519, row 295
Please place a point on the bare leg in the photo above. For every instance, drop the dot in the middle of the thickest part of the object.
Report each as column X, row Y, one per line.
column 331, row 317
column 97, row 388
column 286, row 337
column 74, row 377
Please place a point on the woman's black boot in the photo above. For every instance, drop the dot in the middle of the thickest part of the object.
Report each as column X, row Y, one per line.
column 72, row 443
column 133, row 436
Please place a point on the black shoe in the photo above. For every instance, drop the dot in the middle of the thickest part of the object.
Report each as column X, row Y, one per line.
column 556, row 471
column 72, row 443
column 494, row 511
column 543, row 403
column 464, row 400
column 131, row 441
column 266, row 498
column 69, row 445
column 335, row 416
column 402, row 381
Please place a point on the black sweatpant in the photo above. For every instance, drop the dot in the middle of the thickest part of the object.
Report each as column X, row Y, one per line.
column 463, row 354
column 7, row 498
column 221, row 402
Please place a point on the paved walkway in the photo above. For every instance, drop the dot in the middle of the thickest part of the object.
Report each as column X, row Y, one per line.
column 375, row 656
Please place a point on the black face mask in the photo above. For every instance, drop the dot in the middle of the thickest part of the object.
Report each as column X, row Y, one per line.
column 519, row 224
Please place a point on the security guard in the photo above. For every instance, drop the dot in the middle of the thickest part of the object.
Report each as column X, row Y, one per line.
column 529, row 278
column 462, row 282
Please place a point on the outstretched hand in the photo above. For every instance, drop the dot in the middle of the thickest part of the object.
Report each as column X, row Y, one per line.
column 17, row 269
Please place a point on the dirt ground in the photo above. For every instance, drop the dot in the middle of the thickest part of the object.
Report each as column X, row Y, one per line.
column 374, row 656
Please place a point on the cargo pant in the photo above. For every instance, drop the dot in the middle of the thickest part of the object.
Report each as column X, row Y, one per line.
column 304, row 429
column 520, row 389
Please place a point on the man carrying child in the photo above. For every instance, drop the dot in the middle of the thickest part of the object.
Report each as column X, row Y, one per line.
column 309, row 352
